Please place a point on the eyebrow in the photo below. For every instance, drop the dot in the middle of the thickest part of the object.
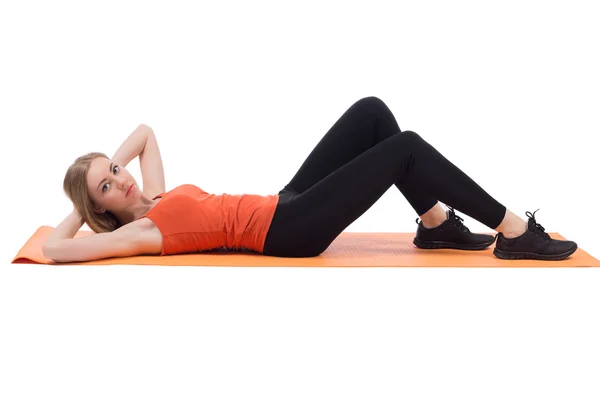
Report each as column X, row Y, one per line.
column 109, row 170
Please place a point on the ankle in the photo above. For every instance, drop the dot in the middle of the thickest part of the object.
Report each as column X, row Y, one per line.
column 512, row 225
column 434, row 217
column 516, row 231
column 432, row 224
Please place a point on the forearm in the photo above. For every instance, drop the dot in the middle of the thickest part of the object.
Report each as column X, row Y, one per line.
column 132, row 146
column 66, row 229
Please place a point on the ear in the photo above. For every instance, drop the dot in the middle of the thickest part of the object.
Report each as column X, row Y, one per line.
column 99, row 210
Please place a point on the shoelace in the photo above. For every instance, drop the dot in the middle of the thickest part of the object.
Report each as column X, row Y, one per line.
column 454, row 220
column 457, row 221
column 537, row 228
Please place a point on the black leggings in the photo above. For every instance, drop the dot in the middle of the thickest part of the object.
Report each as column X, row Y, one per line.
column 355, row 163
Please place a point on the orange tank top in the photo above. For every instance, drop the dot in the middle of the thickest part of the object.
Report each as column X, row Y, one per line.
column 191, row 220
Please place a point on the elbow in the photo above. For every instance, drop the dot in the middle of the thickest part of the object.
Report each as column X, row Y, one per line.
column 47, row 252
column 50, row 252
column 146, row 127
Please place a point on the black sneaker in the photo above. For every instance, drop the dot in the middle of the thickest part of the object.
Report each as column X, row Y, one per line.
column 451, row 234
column 534, row 244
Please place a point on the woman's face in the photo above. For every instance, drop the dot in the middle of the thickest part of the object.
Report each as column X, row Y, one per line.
column 108, row 184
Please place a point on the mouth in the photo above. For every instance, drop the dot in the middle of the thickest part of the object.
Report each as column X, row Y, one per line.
column 129, row 190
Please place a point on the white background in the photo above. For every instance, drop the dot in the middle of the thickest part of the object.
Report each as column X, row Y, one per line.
column 238, row 95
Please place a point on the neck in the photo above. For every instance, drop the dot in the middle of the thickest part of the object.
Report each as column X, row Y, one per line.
column 140, row 208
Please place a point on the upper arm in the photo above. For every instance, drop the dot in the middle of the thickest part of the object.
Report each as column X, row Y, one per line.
column 151, row 166
column 122, row 242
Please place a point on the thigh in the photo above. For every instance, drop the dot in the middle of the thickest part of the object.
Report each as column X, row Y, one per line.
column 305, row 224
column 366, row 123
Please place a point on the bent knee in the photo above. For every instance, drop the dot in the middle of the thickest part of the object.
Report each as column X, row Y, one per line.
column 372, row 102
column 410, row 135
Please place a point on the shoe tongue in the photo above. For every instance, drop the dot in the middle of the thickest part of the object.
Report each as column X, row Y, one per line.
column 530, row 224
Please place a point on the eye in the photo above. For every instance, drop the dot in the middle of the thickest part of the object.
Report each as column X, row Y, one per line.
column 103, row 186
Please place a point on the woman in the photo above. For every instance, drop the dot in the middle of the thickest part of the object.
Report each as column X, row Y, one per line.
column 353, row 165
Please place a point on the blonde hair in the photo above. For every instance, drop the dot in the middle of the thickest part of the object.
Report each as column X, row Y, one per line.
column 76, row 188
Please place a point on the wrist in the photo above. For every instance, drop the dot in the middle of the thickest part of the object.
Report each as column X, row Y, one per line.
column 76, row 214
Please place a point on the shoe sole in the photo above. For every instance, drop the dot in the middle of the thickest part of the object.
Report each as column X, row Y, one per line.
column 436, row 244
column 516, row 255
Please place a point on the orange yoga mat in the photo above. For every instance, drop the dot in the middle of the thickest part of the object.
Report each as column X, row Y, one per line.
column 349, row 249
